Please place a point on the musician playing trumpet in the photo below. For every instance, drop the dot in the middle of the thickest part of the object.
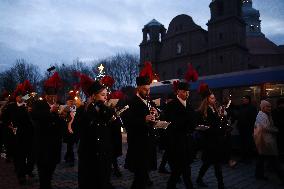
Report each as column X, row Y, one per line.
column 95, row 147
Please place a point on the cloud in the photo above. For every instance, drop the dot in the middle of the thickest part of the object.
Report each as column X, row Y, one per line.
column 44, row 32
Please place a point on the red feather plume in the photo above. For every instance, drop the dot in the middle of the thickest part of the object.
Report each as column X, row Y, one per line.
column 19, row 90
column 117, row 95
column 85, row 82
column 175, row 85
column 191, row 74
column 28, row 88
column 107, row 81
column 147, row 70
column 54, row 81
column 203, row 87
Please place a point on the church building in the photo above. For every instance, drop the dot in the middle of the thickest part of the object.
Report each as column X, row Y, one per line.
column 232, row 42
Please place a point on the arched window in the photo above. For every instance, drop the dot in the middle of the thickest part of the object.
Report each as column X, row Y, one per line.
column 179, row 48
column 148, row 37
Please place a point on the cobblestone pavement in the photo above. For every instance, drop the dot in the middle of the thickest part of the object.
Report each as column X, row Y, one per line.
column 65, row 177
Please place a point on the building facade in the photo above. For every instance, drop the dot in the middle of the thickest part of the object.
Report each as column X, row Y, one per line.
column 233, row 42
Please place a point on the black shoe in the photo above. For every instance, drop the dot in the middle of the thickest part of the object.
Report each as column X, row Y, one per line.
column 164, row 171
column 150, row 183
column 201, row 183
column 22, row 180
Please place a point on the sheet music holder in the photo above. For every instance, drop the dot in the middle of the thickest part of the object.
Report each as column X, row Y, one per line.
column 202, row 127
column 161, row 124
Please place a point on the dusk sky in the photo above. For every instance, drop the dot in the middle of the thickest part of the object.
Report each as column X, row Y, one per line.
column 48, row 31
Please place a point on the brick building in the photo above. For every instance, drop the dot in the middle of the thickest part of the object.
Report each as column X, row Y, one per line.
column 233, row 42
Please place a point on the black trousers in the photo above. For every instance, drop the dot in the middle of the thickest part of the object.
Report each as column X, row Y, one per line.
column 69, row 155
column 176, row 172
column 24, row 160
column 45, row 172
column 274, row 164
column 164, row 160
column 94, row 172
column 247, row 144
column 141, row 178
column 218, row 172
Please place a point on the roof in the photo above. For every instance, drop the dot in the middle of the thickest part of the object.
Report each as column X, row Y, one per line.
column 154, row 22
column 229, row 80
column 182, row 22
column 261, row 45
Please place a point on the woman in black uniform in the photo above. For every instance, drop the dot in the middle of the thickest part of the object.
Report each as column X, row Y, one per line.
column 95, row 147
column 212, row 149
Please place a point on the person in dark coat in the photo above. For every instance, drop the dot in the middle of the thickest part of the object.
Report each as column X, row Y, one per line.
column 246, row 118
column 48, row 132
column 141, row 153
column 95, row 146
column 212, row 149
column 24, row 161
column 277, row 116
column 180, row 149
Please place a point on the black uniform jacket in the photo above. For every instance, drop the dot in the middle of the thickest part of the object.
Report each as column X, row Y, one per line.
column 94, row 131
column 48, row 133
column 141, row 153
column 213, row 138
column 180, row 144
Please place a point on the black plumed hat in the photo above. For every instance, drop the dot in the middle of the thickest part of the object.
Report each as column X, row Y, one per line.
column 143, row 80
column 183, row 86
column 95, row 88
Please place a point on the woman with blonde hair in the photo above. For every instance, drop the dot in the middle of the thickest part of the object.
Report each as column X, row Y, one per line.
column 212, row 149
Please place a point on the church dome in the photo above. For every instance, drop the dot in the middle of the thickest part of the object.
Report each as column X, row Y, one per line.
column 248, row 10
column 182, row 23
column 154, row 22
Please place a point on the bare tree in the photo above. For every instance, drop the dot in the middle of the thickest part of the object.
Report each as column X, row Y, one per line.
column 20, row 72
column 122, row 67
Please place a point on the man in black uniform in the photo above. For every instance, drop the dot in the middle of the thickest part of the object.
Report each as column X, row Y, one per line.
column 180, row 149
column 141, row 153
column 48, row 133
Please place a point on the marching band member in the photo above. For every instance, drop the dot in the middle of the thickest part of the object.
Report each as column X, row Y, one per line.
column 95, row 147
column 20, row 133
column 48, row 131
column 212, row 149
column 141, row 153
column 180, row 144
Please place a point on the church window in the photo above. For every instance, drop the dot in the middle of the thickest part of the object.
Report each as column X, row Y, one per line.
column 179, row 48
column 252, row 27
column 148, row 37
column 160, row 37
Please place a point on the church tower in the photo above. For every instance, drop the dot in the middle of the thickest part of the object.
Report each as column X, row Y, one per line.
column 153, row 34
column 251, row 17
column 226, row 37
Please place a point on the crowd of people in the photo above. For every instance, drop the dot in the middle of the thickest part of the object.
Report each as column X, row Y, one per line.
column 33, row 129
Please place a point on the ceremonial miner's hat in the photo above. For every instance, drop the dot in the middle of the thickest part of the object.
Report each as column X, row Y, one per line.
column 146, row 75
column 52, row 84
